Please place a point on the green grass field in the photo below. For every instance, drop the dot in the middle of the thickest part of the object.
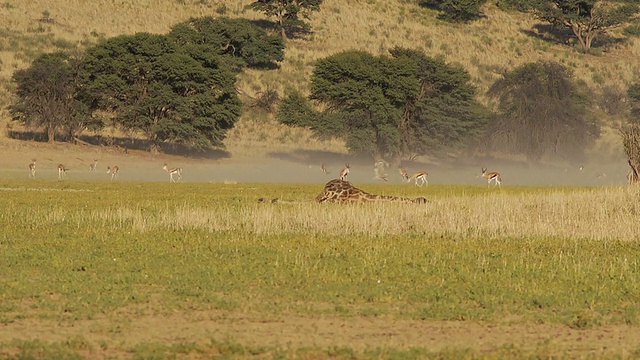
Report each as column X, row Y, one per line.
column 77, row 251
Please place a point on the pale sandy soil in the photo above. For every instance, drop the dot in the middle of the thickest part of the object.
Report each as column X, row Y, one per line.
column 123, row 330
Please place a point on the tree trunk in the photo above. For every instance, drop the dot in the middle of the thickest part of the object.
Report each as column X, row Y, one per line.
column 633, row 177
column 631, row 143
column 283, row 32
column 51, row 133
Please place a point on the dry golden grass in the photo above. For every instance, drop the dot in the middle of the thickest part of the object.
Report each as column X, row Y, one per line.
column 499, row 41
column 594, row 214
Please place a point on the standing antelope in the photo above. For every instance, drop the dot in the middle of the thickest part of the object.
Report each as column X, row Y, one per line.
column 62, row 171
column 323, row 167
column 404, row 174
column 345, row 172
column 420, row 178
column 32, row 169
column 491, row 176
column 378, row 169
column 94, row 166
column 113, row 171
column 172, row 172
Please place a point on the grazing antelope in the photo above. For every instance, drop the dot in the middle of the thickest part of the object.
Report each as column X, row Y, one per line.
column 323, row 167
column 345, row 172
column 404, row 174
column 172, row 172
column 420, row 178
column 491, row 176
column 32, row 169
column 62, row 171
column 94, row 166
column 378, row 169
column 113, row 171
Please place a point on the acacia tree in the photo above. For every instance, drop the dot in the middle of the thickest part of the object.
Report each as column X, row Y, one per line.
column 48, row 96
column 155, row 86
column 238, row 40
column 457, row 10
column 289, row 14
column 587, row 19
column 390, row 106
column 541, row 110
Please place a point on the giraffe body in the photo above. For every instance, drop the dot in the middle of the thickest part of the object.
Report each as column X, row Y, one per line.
column 341, row 191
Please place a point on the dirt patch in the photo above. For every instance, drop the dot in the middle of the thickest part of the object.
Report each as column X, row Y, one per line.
column 123, row 331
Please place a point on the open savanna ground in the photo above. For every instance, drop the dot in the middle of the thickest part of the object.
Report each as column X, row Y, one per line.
column 103, row 269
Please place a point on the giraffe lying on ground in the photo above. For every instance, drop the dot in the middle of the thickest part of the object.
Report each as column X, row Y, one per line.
column 341, row 191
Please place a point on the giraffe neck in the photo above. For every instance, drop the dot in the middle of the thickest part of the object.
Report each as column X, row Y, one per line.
column 385, row 198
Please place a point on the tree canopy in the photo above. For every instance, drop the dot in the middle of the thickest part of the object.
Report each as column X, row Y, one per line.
column 541, row 111
column 48, row 96
column 242, row 43
column 167, row 91
column 390, row 106
column 289, row 14
column 457, row 10
column 587, row 19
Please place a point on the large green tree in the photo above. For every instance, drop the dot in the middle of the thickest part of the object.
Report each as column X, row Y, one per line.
column 391, row 106
column 587, row 19
column 457, row 10
column 166, row 91
column 241, row 42
column 542, row 110
column 48, row 96
column 289, row 14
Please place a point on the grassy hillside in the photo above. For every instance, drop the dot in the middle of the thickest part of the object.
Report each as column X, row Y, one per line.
column 501, row 40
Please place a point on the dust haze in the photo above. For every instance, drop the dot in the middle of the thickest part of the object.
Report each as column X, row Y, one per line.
column 296, row 166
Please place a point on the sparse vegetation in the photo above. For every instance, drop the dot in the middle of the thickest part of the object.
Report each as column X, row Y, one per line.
column 538, row 255
column 105, row 260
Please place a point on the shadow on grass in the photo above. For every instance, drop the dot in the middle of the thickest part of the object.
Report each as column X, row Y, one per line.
column 124, row 144
column 563, row 36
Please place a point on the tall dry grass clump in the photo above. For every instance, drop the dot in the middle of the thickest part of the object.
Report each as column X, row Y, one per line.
column 594, row 214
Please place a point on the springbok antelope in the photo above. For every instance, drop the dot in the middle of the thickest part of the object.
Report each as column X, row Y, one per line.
column 378, row 169
column 62, row 171
column 323, row 167
column 94, row 166
column 420, row 178
column 491, row 176
column 32, row 169
column 113, row 171
column 174, row 171
column 345, row 172
column 404, row 174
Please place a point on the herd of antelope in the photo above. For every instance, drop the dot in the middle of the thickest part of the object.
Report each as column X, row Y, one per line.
column 419, row 178
column 175, row 174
